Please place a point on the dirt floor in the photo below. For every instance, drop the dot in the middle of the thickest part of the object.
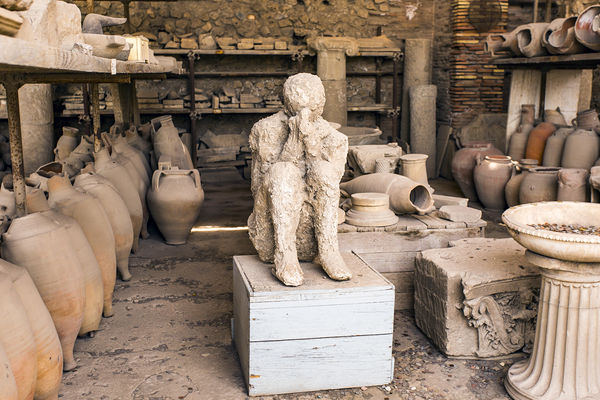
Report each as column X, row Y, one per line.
column 170, row 337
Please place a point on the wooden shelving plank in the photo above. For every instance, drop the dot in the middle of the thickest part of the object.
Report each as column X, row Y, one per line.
column 574, row 60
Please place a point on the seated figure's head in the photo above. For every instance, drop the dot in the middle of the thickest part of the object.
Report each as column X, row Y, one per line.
column 303, row 91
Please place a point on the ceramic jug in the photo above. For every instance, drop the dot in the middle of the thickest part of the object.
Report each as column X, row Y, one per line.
column 49, row 356
column 511, row 190
column 175, row 199
column 66, row 143
column 414, row 167
column 518, row 140
column 536, row 143
column 572, row 184
column 503, row 44
column 587, row 120
column 464, row 162
column 167, row 143
column 91, row 217
column 554, row 147
column 17, row 339
column 406, row 195
column 581, row 149
column 540, row 184
column 135, row 156
column 7, row 378
column 41, row 246
column 92, row 275
column 529, row 39
column 559, row 37
column 491, row 175
column 554, row 117
column 117, row 213
column 118, row 176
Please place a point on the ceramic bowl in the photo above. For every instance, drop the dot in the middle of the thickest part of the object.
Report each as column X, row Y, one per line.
column 562, row 246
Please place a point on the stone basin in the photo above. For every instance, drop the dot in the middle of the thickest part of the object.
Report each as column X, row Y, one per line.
column 358, row 135
column 562, row 246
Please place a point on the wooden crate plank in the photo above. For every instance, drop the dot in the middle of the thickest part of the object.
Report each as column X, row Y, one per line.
column 409, row 223
column 568, row 89
column 525, row 88
column 319, row 364
column 431, row 221
column 325, row 318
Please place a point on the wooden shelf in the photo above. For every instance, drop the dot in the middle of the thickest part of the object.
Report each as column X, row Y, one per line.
column 170, row 52
column 160, row 111
column 577, row 61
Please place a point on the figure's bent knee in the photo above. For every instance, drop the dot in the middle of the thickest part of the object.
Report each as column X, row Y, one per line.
column 323, row 173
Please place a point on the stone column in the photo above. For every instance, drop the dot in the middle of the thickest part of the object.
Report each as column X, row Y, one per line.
column 331, row 68
column 565, row 362
column 417, row 71
column 423, row 132
column 37, row 125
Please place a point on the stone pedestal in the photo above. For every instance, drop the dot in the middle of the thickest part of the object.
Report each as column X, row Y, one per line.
column 565, row 362
column 331, row 68
column 371, row 209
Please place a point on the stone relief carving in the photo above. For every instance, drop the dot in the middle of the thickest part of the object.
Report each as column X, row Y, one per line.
column 505, row 321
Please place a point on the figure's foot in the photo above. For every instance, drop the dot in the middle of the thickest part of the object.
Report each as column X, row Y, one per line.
column 333, row 264
column 289, row 273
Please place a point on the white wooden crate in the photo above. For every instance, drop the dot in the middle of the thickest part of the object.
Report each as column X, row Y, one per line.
column 321, row 335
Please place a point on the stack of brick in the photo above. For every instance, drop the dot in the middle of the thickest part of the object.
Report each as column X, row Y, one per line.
column 476, row 85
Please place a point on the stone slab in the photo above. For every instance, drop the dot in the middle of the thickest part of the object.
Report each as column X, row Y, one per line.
column 476, row 299
column 440, row 200
column 324, row 334
column 459, row 214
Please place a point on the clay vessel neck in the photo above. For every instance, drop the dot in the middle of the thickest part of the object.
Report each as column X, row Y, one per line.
column 588, row 120
column 36, row 201
column 102, row 156
column 59, row 184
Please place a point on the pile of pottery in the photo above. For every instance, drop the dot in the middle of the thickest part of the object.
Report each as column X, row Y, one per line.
column 571, row 35
column 554, row 162
column 376, row 198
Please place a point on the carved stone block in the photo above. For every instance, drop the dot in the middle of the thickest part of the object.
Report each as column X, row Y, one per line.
column 477, row 298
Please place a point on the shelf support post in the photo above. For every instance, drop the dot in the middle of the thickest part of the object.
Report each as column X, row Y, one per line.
column 193, row 115
column 96, row 116
column 16, row 143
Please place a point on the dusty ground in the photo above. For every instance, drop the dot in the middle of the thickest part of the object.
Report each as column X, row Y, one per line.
column 170, row 337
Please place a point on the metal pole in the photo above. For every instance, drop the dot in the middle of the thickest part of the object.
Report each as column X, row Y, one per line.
column 192, row 85
column 126, row 15
column 378, row 62
column 96, row 116
column 16, row 145
column 536, row 4
column 87, row 116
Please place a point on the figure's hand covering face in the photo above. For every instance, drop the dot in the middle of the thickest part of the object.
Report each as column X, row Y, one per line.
column 304, row 91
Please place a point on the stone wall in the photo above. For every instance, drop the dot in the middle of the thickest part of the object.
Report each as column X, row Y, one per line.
column 296, row 20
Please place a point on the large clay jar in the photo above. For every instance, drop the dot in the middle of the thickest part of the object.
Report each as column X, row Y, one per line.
column 167, row 143
column 92, row 276
column 554, row 147
column 406, row 195
column 588, row 120
column 584, row 28
column 559, row 37
column 91, row 217
column 117, row 213
column 491, row 175
column 138, row 142
column 17, row 339
column 529, row 39
column 8, row 206
column 414, row 167
column 118, row 176
column 66, row 143
column 572, row 184
column 518, row 141
column 135, row 156
column 83, row 152
column 7, row 378
column 174, row 201
column 536, row 143
column 49, row 356
column 581, row 149
column 540, row 184
column 42, row 246
column 503, row 44
column 464, row 162
column 511, row 190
